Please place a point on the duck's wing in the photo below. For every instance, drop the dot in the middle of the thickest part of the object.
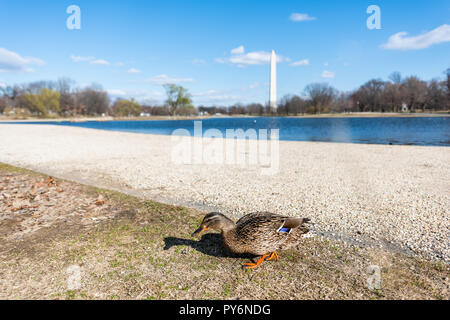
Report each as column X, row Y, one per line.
column 265, row 231
column 270, row 222
column 254, row 216
column 293, row 223
column 296, row 234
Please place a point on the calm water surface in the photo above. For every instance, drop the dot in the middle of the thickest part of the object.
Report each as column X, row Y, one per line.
column 428, row 131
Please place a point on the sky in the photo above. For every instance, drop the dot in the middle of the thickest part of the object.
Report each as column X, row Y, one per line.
column 219, row 50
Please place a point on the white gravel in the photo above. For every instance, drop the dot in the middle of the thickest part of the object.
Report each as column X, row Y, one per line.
column 397, row 196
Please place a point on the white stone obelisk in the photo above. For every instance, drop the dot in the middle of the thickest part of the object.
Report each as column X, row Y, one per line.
column 273, row 82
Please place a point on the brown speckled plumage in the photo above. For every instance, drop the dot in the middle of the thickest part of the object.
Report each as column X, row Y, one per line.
column 256, row 233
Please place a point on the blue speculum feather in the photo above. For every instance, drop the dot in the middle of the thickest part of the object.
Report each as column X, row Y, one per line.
column 287, row 230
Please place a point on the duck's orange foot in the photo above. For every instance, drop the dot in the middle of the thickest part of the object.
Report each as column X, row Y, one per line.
column 273, row 256
column 269, row 257
column 253, row 265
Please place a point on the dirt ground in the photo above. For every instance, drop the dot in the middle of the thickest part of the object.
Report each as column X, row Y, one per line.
column 63, row 240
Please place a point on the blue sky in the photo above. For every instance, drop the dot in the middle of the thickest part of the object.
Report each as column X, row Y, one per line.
column 219, row 49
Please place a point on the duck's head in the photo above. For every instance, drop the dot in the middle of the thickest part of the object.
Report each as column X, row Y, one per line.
column 214, row 221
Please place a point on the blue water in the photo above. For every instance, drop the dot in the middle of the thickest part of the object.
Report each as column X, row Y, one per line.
column 427, row 131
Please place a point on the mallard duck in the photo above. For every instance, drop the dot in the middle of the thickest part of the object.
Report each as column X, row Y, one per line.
column 258, row 234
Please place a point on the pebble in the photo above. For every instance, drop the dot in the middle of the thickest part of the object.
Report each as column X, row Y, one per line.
column 383, row 192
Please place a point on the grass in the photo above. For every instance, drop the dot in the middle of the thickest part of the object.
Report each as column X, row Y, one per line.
column 145, row 252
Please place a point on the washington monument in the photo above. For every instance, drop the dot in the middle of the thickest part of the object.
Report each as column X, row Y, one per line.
column 273, row 82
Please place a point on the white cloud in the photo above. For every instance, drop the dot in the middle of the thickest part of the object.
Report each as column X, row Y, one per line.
column 214, row 97
column 257, row 57
column 254, row 85
column 100, row 61
column 147, row 94
column 200, row 62
column 238, row 50
column 2, row 84
column 116, row 92
column 134, row 70
column 300, row 63
column 400, row 41
column 328, row 74
column 240, row 58
column 165, row 79
column 13, row 62
column 90, row 59
column 301, row 17
column 220, row 60
column 325, row 63
column 135, row 93
column 251, row 58
column 143, row 96
column 206, row 93
column 80, row 58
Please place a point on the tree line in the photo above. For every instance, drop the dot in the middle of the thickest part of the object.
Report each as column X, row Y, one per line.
column 63, row 98
column 54, row 98
column 398, row 94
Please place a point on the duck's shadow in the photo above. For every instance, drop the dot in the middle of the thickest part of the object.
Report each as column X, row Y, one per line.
column 210, row 244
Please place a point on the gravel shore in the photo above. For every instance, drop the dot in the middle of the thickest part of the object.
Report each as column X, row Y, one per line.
column 394, row 196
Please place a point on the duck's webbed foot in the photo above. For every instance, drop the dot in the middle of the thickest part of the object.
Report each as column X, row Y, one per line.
column 252, row 265
column 268, row 257
column 273, row 256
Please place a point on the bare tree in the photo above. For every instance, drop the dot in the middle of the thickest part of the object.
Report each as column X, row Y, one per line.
column 3, row 104
column 415, row 91
column 396, row 77
column 37, row 86
column 342, row 103
column 293, row 104
column 392, row 97
column 322, row 95
column 67, row 99
column 255, row 108
column 156, row 110
column 369, row 96
column 238, row 108
column 92, row 102
column 436, row 96
column 13, row 95
column 447, row 72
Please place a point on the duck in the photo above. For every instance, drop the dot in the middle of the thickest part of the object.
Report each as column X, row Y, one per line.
column 259, row 234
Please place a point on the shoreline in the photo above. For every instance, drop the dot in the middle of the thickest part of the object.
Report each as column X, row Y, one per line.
column 125, row 247
column 308, row 116
column 96, row 125
column 389, row 194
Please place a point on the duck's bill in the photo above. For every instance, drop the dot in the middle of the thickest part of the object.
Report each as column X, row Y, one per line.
column 198, row 231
